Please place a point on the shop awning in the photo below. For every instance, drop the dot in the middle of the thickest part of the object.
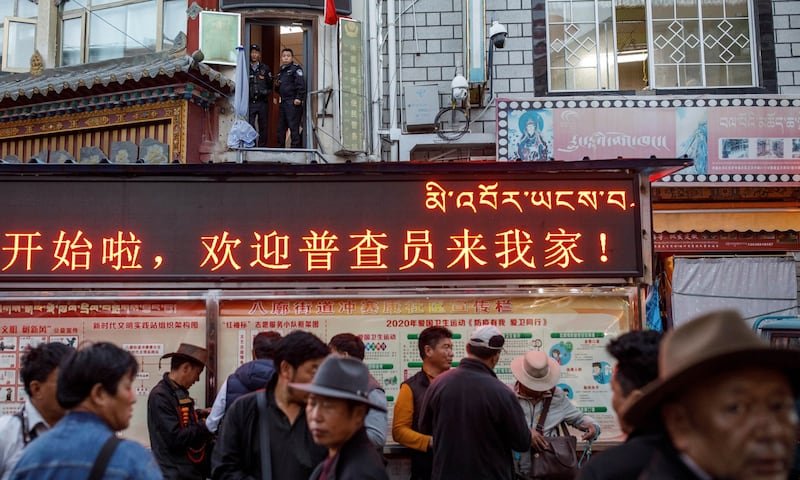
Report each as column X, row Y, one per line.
column 722, row 220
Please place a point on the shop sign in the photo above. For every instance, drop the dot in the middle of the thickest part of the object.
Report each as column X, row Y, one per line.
column 726, row 242
column 321, row 227
column 723, row 138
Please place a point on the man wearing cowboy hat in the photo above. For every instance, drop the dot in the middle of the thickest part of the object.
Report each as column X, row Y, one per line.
column 474, row 418
column 537, row 375
column 177, row 436
column 338, row 403
column 726, row 401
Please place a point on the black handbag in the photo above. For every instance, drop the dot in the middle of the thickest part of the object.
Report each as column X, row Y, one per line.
column 560, row 460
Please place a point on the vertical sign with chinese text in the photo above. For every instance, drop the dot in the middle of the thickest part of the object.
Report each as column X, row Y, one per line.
column 352, row 108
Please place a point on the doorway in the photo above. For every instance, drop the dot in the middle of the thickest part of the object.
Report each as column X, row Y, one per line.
column 273, row 35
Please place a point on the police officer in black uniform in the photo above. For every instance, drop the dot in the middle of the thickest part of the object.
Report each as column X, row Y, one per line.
column 260, row 89
column 291, row 86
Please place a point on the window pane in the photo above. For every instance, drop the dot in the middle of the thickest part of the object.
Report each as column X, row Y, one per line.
column 735, row 9
column 121, row 31
column 573, row 45
column 690, row 76
column 666, row 76
column 727, row 41
column 174, row 21
column 713, row 10
column 21, row 44
column 631, row 43
column 6, row 10
column 686, row 10
column 582, row 12
column 585, row 78
column 71, row 42
column 27, row 9
column 557, row 12
column 728, row 75
column 558, row 79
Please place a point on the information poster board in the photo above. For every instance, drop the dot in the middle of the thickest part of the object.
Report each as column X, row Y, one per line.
column 148, row 328
column 572, row 329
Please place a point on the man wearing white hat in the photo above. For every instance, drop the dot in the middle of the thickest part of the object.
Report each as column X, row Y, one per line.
column 474, row 418
column 537, row 375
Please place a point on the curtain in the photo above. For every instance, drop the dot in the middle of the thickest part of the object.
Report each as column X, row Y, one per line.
column 754, row 286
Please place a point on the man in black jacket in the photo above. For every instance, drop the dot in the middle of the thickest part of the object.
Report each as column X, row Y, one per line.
column 291, row 86
column 337, row 405
column 260, row 78
column 637, row 365
column 293, row 454
column 178, row 438
column 475, row 419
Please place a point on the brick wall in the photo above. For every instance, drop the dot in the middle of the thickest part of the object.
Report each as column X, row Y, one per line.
column 431, row 50
column 786, row 21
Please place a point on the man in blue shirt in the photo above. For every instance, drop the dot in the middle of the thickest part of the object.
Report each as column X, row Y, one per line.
column 95, row 386
column 39, row 374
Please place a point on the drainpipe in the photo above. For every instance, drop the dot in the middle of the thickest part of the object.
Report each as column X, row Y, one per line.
column 375, row 79
column 394, row 132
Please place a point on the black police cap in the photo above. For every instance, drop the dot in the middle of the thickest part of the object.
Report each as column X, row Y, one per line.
column 255, row 47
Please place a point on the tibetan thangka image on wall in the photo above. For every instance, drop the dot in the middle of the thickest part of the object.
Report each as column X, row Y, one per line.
column 728, row 139
column 530, row 137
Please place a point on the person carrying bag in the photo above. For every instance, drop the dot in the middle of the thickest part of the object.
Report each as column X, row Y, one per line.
column 559, row 461
column 546, row 406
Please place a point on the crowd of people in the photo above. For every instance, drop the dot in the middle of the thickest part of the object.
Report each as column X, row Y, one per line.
column 708, row 400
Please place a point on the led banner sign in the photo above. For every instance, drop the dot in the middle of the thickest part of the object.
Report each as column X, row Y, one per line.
column 318, row 227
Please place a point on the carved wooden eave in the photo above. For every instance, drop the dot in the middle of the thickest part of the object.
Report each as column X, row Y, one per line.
column 142, row 77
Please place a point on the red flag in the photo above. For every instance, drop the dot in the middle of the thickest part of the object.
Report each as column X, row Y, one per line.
column 331, row 18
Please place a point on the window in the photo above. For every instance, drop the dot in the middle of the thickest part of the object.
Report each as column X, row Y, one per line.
column 649, row 44
column 96, row 30
column 17, row 24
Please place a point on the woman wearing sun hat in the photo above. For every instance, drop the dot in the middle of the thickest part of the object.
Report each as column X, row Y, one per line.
column 537, row 375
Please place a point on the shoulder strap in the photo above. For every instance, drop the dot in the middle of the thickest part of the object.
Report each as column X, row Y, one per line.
column 27, row 435
column 263, row 431
column 543, row 415
column 101, row 462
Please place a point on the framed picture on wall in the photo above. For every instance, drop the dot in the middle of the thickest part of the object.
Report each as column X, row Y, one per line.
column 220, row 34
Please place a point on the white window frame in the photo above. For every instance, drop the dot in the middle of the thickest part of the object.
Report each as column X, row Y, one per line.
column 652, row 80
column 7, row 44
column 85, row 14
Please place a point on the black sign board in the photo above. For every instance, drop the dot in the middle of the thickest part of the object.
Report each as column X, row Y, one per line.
column 367, row 224
column 343, row 7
